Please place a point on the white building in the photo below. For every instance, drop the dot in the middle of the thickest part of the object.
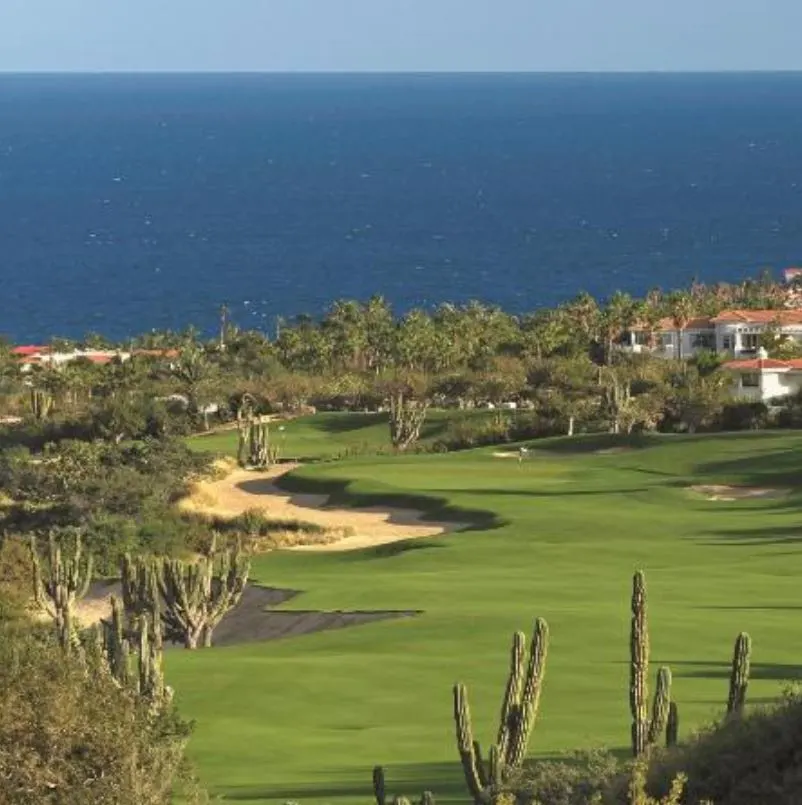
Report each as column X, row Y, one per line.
column 735, row 332
column 764, row 379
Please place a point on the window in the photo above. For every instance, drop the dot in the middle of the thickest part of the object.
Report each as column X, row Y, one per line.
column 751, row 380
column 703, row 341
column 727, row 342
column 666, row 339
column 750, row 342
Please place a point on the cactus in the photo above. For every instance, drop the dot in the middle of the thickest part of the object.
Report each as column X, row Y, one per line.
column 380, row 791
column 646, row 730
column 661, row 706
column 254, row 448
column 672, row 725
column 148, row 681
column 518, row 715
column 41, row 403
column 639, row 666
column 196, row 597
column 66, row 580
column 140, row 588
column 739, row 676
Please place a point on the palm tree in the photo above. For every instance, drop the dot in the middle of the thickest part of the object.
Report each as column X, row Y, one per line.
column 681, row 308
column 615, row 319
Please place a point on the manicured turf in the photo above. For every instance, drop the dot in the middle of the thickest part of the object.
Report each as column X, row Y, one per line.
column 331, row 434
column 306, row 719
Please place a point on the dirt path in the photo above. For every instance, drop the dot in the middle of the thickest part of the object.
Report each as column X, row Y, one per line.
column 241, row 490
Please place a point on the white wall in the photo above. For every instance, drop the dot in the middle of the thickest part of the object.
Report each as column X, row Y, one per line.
column 772, row 384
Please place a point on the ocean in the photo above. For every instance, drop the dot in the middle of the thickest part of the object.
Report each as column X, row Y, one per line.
column 146, row 201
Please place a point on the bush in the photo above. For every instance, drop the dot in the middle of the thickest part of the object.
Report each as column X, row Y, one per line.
column 744, row 761
column 70, row 735
column 578, row 780
column 744, row 416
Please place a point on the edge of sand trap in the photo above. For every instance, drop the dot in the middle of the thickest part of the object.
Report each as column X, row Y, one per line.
column 724, row 492
column 253, row 619
column 243, row 490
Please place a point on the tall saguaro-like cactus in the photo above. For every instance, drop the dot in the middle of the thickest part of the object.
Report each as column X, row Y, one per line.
column 739, row 675
column 197, row 595
column 645, row 729
column 60, row 582
column 519, row 711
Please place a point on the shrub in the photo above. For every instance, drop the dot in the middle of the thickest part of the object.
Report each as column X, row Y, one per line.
column 70, row 735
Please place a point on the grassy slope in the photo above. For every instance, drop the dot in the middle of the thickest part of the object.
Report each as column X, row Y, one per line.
column 306, row 718
column 324, row 435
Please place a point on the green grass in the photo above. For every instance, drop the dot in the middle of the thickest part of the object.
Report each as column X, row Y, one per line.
column 330, row 434
column 559, row 536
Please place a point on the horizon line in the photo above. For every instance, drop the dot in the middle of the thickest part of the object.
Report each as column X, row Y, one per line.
column 399, row 72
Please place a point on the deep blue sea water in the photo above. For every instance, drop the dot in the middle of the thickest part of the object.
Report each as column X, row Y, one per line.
column 134, row 202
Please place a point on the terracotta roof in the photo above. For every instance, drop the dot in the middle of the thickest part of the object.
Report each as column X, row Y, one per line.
column 783, row 317
column 30, row 349
column 699, row 323
column 762, row 364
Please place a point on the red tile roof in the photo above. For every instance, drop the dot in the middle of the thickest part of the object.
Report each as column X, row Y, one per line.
column 763, row 364
column 29, row 350
column 698, row 323
column 782, row 317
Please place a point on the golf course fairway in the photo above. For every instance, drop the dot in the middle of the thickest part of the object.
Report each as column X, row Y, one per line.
column 558, row 535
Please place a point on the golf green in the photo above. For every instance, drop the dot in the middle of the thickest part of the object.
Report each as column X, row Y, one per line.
column 558, row 535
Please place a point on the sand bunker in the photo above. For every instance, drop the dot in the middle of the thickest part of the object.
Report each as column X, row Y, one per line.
column 243, row 490
column 723, row 492
column 252, row 619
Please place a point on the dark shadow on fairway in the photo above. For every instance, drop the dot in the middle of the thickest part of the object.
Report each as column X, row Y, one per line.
column 343, row 423
column 784, row 535
column 445, row 780
column 339, row 493
column 759, row 608
column 594, row 442
column 573, row 493
column 773, row 468
column 771, row 672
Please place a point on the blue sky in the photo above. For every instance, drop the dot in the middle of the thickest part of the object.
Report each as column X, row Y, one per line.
column 312, row 35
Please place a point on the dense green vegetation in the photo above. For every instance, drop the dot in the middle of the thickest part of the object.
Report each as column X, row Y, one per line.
column 572, row 525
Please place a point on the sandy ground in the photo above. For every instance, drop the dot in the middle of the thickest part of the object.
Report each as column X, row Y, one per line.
column 731, row 493
column 241, row 490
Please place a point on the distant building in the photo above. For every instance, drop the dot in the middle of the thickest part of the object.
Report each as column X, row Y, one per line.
column 34, row 355
column 763, row 379
column 733, row 332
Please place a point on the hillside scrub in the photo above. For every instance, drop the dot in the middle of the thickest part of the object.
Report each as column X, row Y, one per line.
column 70, row 735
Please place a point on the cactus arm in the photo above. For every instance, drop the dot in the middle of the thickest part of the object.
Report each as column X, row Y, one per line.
column 672, row 726
column 530, row 701
column 379, row 789
column 661, row 706
column 465, row 742
column 510, row 708
column 739, row 674
column 639, row 666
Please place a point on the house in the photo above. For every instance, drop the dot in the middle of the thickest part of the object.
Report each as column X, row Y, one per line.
column 763, row 379
column 735, row 332
column 33, row 355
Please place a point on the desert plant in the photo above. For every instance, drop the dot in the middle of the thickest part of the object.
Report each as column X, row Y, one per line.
column 63, row 580
column 380, row 791
column 518, row 714
column 739, row 674
column 645, row 730
column 672, row 725
column 198, row 594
